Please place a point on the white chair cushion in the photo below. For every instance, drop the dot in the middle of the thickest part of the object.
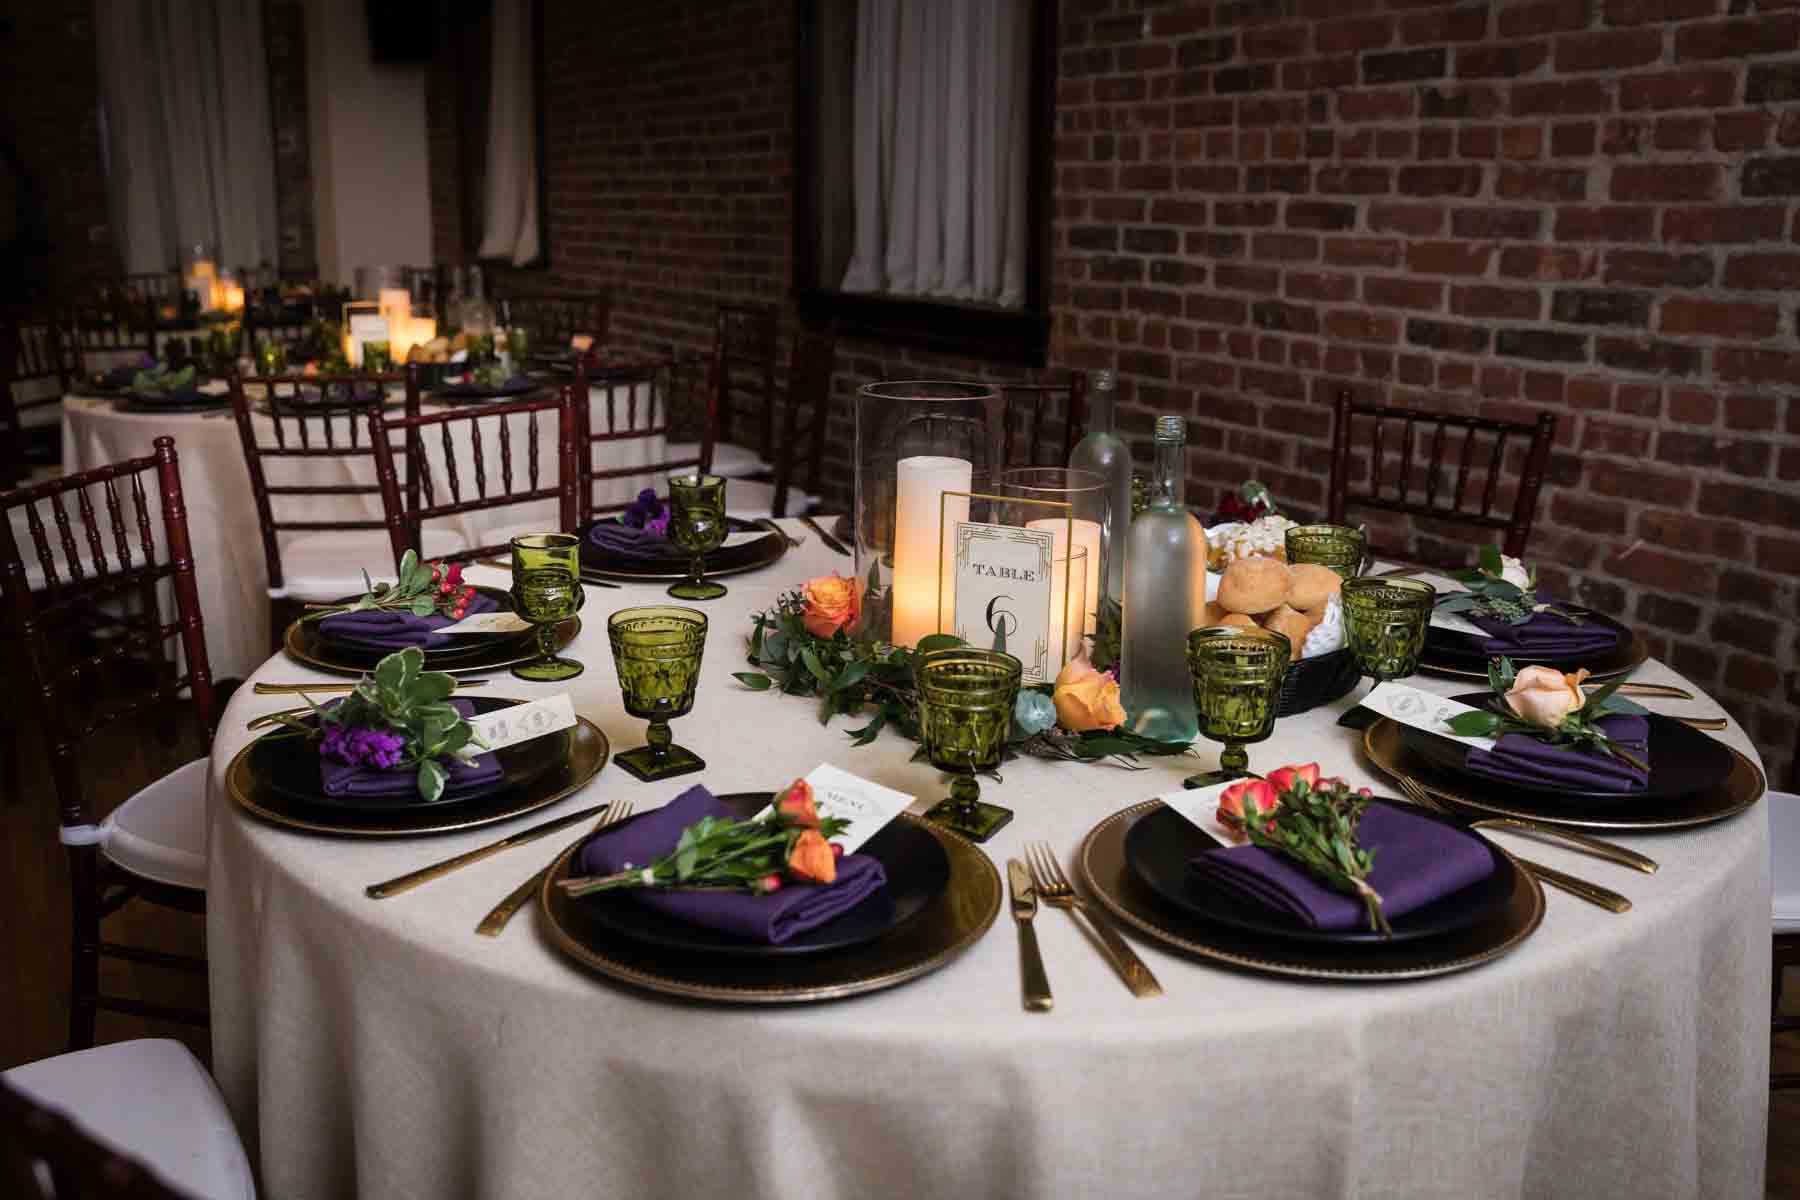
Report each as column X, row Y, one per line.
column 325, row 566
column 150, row 1099
column 730, row 460
column 160, row 833
column 1784, row 860
column 753, row 498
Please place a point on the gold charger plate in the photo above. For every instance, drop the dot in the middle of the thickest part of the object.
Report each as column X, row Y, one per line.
column 304, row 645
column 588, row 752
column 943, row 929
column 1742, row 788
column 1101, row 860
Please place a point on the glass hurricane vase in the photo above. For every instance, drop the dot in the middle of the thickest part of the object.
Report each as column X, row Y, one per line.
column 965, row 711
column 546, row 591
column 657, row 650
column 1237, row 675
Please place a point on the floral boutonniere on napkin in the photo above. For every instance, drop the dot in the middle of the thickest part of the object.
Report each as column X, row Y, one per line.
column 1501, row 588
column 419, row 588
column 791, row 843
column 1311, row 820
column 1550, row 705
column 648, row 513
column 398, row 718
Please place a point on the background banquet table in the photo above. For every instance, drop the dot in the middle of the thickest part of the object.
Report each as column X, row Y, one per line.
column 230, row 568
column 382, row 1048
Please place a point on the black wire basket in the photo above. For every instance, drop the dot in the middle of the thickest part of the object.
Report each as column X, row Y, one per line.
column 1318, row 680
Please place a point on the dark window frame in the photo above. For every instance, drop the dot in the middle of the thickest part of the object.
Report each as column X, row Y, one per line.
column 1019, row 336
column 476, row 16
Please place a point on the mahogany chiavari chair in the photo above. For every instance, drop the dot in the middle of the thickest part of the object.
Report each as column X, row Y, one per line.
column 137, row 1120
column 1043, row 421
column 744, row 354
column 110, row 319
column 623, row 434
column 550, row 321
column 304, row 439
column 1479, row 447
column 811, row 364
column 99, row 553
column 514, row 475
column 34, row 375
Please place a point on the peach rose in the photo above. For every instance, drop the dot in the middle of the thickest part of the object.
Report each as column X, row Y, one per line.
column 1283, row 778
column 830, row 603
column 810, row 859
column 797, row 806
column 1259, row 793
column 1086, row 699
column 1544, row 696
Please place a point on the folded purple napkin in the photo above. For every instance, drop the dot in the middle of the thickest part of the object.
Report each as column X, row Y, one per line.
column 382, row 629
column 773, row 918
column 1522, row 759
column 1417, row 861
column 1545, row 635
column 469, row 387
column 466, row 781
column 626, row 542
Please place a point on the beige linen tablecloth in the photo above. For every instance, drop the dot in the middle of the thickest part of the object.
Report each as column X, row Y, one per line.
column 229, row 565
column 383, row 1049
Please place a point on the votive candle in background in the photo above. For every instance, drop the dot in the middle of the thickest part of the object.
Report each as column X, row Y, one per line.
column 1087, row 537
column 919, row 556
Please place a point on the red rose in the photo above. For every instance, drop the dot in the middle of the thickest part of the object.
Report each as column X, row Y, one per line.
column 810, row 859
column 797, row 806
column 1245, row 794
column 1284, row 778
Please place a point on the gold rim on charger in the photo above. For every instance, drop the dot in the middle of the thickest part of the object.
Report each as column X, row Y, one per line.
column 301, row 647
column 953, row 921
column 1743, row 787
column 587, row 753
column 1101, row 860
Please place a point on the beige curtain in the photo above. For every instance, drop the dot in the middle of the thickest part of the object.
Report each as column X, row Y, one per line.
column 509, row 227
column 941, row 108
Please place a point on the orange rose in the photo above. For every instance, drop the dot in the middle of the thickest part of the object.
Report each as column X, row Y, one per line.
column 797, row 806
column 810, row 859
column 830, row 603
column 1085, row 699
column 1246, row 793
column 1283, row 778
column 1544, row 696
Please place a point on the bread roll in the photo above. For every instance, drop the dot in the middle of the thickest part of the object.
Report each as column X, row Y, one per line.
column 1243, row 620
column 1310, row 586
column 1291, row 624
column 1253, row 585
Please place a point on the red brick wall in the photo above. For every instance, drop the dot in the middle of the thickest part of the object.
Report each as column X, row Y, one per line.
column 1590, row 206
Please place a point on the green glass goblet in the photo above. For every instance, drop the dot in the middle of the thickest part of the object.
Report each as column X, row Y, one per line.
column 546, row 590
column 1237, row 676
column 657, row 651
column 697, row 524
column 271, row 358
column 965, row 710
column 1385, row 622
column 377, row 356
column 1339, row 547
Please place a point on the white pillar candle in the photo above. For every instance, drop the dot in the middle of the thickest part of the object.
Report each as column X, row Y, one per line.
column 396, row 305
column 1087, row 537
column 1067, row 604
column 919, row 557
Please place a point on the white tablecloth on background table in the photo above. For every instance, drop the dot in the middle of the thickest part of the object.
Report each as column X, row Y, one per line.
column 229, row 564
column 382, row 1048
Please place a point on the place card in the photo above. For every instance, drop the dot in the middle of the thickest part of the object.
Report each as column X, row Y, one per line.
column 1200, row 808
column 1002, row 591
column 522, row 722
column 1456, row 623
column 867, row 806
column 489, row 622
column 1421, row 710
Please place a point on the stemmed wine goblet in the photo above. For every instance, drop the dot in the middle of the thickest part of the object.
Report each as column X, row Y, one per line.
column 1237, row 675
column 1384, row 623
column 546, row 590
column 697, row 524
column 965, row 710
column 657, row 650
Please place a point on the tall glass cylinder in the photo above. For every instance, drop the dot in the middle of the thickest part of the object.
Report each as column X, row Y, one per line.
column 1081, row 527
column 1104, row 452
column 916, row 440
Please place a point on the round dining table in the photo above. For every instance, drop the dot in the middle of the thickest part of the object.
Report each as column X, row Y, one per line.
column 382, row 1048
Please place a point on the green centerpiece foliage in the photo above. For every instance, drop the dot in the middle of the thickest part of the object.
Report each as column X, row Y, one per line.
column 160, row 380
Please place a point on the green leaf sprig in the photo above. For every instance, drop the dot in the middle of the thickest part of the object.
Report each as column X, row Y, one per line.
column 161, row 381
column 1492, row 596
column 1315, row 826
column 1579, row 727
column 715, row 854
column 417, row 589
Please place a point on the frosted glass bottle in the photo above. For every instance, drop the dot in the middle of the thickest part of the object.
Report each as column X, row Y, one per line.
column 1164, row 557
column 1105, row 452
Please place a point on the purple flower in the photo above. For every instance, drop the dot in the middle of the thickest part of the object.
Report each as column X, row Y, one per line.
column 647, row 513
column 659, row 524
column 363, row 747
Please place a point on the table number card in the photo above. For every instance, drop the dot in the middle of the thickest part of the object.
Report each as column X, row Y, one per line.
column 366, row 327
column 522, row 722
column 1003, row 593
column 867, row 806
column 489, row 622
column 1421, row 710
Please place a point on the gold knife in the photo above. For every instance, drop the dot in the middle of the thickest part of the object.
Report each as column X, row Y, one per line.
column 1031, row 963
column 295, row 689
column 412, row 879
column 497, row 917
column 1645, row 689
column 826, row 537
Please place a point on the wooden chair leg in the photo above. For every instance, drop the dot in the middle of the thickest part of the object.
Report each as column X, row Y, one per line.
column 84, row 946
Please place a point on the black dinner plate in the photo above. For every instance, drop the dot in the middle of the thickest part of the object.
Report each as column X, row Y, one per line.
column 1683, row 763
column 726, row 560
column 288, row 766
column 463, row 392
column 460, row 644
column 1450, row 649
column 171, row 402
column 1159, row 845
column 917, row 870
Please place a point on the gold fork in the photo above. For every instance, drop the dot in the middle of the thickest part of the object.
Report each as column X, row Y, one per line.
column 1593, row 893
column 1053, row 889
column 1611, row 852
column 519, row 897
